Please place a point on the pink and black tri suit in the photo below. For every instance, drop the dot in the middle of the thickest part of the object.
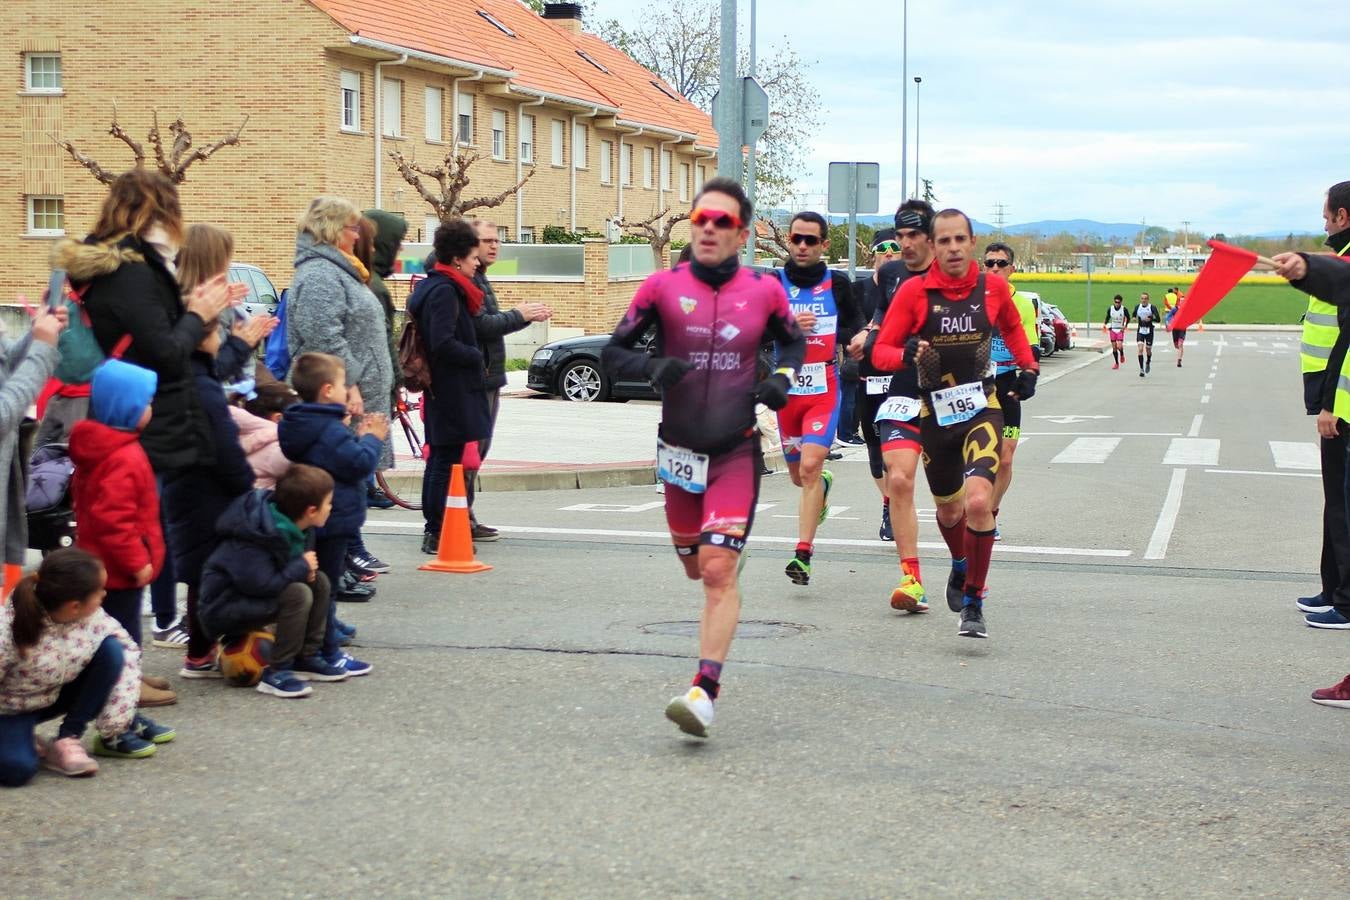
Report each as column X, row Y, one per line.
column 715, row 319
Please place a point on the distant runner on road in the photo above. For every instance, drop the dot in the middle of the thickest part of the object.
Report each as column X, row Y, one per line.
column 1116, row 321
column 1146, row 320
column 710, row 316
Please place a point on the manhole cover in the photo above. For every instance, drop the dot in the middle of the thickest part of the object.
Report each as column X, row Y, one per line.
column 749, row 629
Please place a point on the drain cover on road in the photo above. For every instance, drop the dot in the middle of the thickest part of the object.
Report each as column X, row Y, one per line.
column 748, row 629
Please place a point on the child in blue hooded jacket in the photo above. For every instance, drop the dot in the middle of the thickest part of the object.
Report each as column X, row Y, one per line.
column 314, row 432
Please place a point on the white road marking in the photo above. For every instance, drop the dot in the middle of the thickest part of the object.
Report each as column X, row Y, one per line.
column 1296, row 455
column 613, row 507
column 1209, row 385
column 1259, row 472
column 1204, row 398
column 1167, row 517
column 1192, row 452
column 393, row 526
column 1091, row 450
column 1249, row 343
column 1280, row 345
column 1195, row 426
column 1070, row 420
column 1103, row 434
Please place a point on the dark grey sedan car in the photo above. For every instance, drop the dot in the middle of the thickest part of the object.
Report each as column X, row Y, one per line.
column 571, row 369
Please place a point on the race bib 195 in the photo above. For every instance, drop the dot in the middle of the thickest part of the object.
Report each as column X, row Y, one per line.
column 960, row 403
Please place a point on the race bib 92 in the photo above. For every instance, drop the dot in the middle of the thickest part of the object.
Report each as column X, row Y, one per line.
column 810, row 379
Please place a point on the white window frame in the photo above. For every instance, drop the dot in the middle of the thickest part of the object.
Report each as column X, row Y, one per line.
column 684, row 182
column 648, row 165
column 626, row 165
column 702, row 177
column 503, row 234
column 606, row 162
column 579, row 141
column 666, row 160
column 31, row 201
column 499, row 134
column 392, row 125
column 29, row 86
column 526, row 235
column 464, row 120
column 559, row 131
column 434, row 106
column 526, row 138
column 349, row 89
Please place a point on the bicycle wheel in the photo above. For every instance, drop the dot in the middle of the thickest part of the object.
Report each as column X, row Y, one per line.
column 403, row 483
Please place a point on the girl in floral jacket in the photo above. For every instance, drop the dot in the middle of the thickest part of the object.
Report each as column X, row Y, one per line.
column 62, row 655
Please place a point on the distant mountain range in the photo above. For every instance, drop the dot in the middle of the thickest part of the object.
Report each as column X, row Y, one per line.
column 1110, row 231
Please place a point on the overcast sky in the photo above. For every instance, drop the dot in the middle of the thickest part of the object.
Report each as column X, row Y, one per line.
column 1234, row 116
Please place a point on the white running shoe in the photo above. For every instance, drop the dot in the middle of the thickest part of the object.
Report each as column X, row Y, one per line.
column 692, row 711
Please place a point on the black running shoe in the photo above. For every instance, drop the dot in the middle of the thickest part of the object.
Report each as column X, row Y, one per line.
column 956, row 586
column 972, row 622
column 799, row 568
column 885, row 532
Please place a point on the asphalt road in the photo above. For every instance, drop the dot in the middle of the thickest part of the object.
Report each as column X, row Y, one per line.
column 1136, row 725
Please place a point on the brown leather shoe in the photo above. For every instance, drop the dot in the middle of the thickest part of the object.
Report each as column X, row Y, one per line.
column 153, row 696
column 156, row 682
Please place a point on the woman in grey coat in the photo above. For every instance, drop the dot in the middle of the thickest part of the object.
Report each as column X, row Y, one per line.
column 330, row 309
column 25, row 366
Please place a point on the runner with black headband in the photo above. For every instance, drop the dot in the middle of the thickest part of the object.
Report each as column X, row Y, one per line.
column 893, row 439
column 710, row 315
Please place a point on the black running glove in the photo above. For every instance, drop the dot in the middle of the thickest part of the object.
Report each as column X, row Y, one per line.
column 773, row 391
column 1025, row 387
column 911, row 350
column 666, row 371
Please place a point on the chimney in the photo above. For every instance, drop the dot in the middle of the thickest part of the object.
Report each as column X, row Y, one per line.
column 564, row 15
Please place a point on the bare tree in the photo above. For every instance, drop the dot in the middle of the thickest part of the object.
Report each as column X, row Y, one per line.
column 173, row 161
column 774, row 242
column 680, row 40
column 451, row 178
column 657, row 232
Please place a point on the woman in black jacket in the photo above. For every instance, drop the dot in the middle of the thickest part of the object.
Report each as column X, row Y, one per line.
column 128, row 264
column 443, row 305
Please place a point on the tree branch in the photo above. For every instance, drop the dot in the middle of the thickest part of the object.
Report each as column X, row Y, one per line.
column 102, row 174
column 490, row 202
column 179, row 174
column 157, row 143
column 116, row 131
column 776, row 243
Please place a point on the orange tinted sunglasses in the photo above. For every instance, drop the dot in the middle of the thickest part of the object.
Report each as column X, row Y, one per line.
column 715, row 217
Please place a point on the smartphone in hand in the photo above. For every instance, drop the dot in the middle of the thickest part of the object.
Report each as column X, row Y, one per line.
column 56, row 290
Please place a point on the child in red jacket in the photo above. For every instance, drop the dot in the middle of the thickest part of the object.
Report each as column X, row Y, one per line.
column 116, row 502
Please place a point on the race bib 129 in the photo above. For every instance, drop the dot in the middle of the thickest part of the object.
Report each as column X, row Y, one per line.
column 681, row 468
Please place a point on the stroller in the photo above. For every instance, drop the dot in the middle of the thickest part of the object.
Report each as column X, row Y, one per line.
column 51, row 508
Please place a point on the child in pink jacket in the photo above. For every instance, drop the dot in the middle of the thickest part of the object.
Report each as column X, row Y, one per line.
column 257, row 419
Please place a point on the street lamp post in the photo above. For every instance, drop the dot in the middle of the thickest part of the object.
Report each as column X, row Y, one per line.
column 918, row 123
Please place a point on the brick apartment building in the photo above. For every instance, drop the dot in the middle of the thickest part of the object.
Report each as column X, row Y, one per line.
column 330, row 87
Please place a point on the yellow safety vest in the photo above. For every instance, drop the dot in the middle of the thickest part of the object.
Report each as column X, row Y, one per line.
column 1320, row 329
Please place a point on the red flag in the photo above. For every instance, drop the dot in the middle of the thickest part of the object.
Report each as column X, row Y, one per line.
column 1219, row 275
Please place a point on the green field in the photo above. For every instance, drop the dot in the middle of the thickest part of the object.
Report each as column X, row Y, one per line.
column 1247, row 304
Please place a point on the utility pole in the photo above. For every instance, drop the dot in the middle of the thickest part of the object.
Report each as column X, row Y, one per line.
column 1000, row 216
column 729, row 119
column 904, row 98
column 750, row 160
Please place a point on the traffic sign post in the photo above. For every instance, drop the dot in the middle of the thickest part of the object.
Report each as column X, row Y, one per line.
column 854, row 188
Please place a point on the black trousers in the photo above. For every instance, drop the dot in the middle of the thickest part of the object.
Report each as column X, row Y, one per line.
column 1335, row 529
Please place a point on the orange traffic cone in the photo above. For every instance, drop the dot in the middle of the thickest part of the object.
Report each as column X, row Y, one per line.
column 455, row 552
column 13, row 575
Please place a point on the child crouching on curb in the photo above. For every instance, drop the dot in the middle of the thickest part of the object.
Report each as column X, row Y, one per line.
column 263, row 572
column 62, row 655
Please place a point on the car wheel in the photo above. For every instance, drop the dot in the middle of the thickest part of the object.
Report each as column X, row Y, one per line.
column 583, row 382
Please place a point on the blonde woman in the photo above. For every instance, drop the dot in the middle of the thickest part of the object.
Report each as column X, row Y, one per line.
column 331, row 310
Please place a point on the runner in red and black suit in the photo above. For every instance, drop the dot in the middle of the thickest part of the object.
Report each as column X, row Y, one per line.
column 822, row 301
column 942, row 326
column 710, row 316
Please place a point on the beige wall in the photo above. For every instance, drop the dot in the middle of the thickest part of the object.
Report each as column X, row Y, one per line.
column 213, row 63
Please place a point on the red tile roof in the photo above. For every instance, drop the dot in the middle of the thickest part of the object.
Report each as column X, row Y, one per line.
column 543, row 57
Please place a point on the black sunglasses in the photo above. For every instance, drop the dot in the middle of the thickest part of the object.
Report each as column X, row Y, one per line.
column 996, row 264
column 809, row 240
